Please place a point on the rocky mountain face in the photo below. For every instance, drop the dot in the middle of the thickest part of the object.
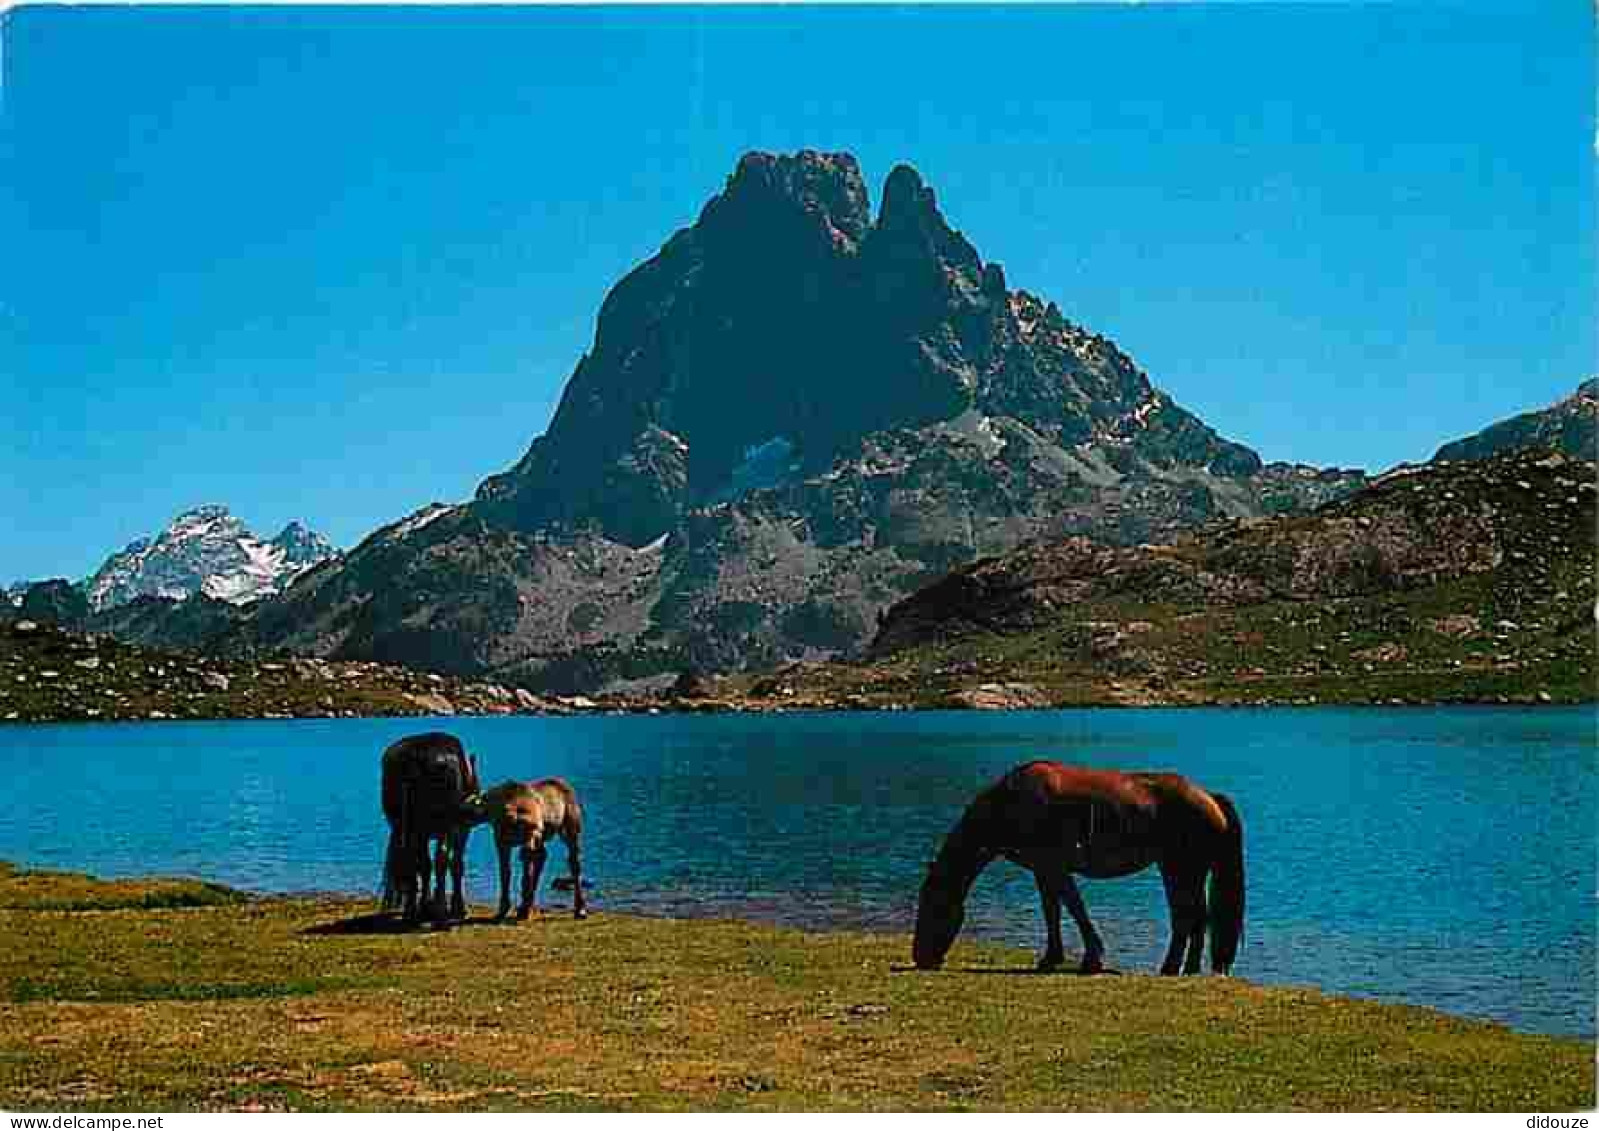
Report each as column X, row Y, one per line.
column 793, row 415
column 55, row 602
column 1411, row 529
column 194, row 623
column 787, row 326
column 1570, row 425
column 206, row 551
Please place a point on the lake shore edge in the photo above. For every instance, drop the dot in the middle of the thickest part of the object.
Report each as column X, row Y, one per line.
column 187, row 995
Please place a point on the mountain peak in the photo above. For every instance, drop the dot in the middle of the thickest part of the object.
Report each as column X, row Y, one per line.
column 786, row 318
column 904, row 193
column 825, row 187
column 301, row 543
column 206, row 549
column 909, row 219
column 203, row 514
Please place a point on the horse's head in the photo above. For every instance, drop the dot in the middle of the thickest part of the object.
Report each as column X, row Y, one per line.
column 474, row 810
column 940, row 911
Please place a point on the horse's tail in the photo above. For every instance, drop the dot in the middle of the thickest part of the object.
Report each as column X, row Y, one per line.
column 397, row 867
column 1227, row 890
column 391, row 889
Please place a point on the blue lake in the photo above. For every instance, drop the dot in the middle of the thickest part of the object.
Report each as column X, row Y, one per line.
column 1439, row 857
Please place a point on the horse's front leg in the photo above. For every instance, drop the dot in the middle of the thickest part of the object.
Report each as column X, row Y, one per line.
column 1049, row 895
column 574, row 864
column 1093, row 946
column 504, row 849
column 533, row 857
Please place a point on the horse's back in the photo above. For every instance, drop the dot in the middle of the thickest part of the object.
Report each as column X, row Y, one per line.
column 1056, row 782
column 549, row 804
column 1176, row 792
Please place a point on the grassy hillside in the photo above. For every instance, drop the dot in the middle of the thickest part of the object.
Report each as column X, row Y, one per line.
column 1451, row 583
column 310, row 1005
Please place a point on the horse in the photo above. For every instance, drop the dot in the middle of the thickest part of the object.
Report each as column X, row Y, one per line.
column 427, row 780
column 525, row 815
column 1057, row 820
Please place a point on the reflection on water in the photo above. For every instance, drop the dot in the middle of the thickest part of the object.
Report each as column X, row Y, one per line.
column 1442, row 857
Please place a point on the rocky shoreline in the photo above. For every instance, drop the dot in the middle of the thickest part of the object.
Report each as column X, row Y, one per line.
column 48, row 675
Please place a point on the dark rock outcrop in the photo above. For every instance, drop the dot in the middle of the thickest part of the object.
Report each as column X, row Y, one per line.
column 1516, row 521
column 58, row 602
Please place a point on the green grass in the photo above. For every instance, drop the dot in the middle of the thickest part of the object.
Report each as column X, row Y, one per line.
column 72, row 891
column 258, row 1005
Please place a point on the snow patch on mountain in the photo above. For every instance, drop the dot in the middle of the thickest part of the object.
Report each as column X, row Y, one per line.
column 416, row 520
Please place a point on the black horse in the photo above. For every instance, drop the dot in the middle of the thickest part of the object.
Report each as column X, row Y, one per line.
column 1057, row 820
column 427, row 779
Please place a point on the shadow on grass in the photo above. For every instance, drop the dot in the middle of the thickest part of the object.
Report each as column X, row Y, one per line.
column 393, row 923
column 375, row 923
column 1007, row 971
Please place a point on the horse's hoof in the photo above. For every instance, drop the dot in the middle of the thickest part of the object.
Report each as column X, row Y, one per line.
column 580, row 913
column 1050, row 963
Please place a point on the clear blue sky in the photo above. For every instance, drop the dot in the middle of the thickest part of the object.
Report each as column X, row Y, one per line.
column 332, row 264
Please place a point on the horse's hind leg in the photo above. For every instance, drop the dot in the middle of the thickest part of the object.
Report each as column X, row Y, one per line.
column 1049, row 896
column 437, row 909
column 1185, row 896
column 457, row 841
column 1196, row 935
column 393, row 894
column 1093, row 945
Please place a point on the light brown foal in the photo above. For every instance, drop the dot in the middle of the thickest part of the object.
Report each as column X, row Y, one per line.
column 525, row 815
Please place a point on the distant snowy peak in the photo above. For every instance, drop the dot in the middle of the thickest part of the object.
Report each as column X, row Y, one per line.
column 207, row 550
column 302, row 544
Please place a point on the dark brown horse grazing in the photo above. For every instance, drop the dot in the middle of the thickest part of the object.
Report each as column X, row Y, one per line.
column 525, row 815
column 427, row 779
column 1057, row 820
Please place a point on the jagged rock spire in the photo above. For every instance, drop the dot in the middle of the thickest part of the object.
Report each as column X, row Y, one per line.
column 785, row 312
